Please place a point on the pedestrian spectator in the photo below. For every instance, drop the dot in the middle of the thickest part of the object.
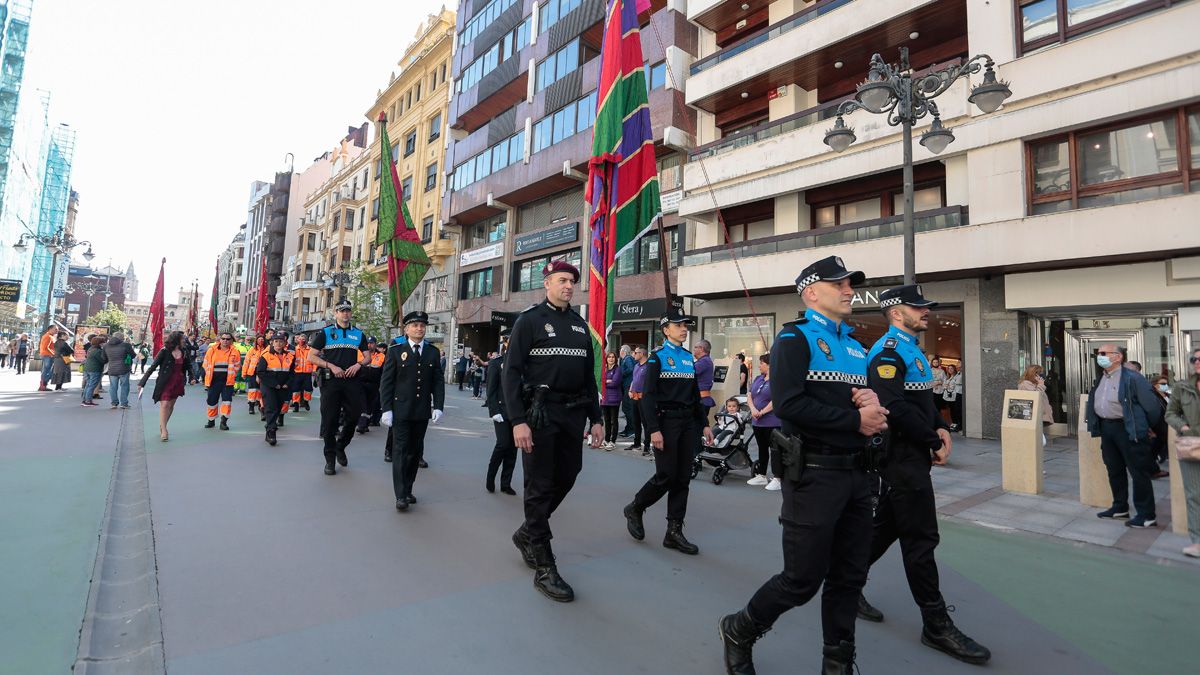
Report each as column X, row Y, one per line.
column 1034, row 379
column 764, row 422
column 20, row 353
column 172, row 365
column 61, row 357
column 460, row 369
column 610, row 399
column 1135, row 366
column 636, row 383
column 198, row 361
column 93, row 370
column 1122, row 411
column 1183, row 413
column 476, row 376
column 46, row 351
column 1158, row 442
column 120, row 364
column 704, row 377
column 627, row 364
column 4, row 342
column 144, row 355
column 743, row 373
column 13, row 347
column 952, row 394
column 939, row 383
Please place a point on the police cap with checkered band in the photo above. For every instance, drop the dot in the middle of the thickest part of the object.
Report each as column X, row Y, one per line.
column 675, row 316
column 905, row 295
column 827, row 269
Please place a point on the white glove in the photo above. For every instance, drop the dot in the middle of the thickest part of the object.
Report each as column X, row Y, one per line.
column 498, row 418
column 386, row 419
column 437, row 415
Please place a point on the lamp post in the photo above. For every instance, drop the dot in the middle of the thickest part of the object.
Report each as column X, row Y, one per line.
column 60, row 242
column 893, row 91
column 89, row 287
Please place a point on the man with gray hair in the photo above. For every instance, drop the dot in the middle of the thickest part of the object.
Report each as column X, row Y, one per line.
column 704, row 374
column 626, row 363
column 120, row 364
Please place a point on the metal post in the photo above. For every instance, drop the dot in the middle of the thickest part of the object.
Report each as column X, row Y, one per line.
column 910, row 235
column 50, row 291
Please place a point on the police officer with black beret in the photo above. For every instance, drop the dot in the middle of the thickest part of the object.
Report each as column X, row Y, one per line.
column 819, row 390
column 674, row 418
column 902, row 377
column 549, row 386
column 338, row 351
column 413, row 391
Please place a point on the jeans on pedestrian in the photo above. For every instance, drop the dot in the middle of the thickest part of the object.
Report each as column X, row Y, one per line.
column 90, row 382
column 47, row 369
column 118, row 389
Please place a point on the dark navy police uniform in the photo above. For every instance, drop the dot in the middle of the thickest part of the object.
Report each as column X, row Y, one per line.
column 413, row 385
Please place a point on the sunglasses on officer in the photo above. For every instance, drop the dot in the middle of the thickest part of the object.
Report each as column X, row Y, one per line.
column 1194, row 359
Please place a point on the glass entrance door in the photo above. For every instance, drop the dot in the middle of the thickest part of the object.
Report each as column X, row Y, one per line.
column 1082, row 370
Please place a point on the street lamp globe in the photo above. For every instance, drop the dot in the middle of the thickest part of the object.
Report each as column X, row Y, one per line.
column 874, row 95
column 20, row 246
column 840, row 136
column 990, row 95
column 88, row 255
column 937, row 137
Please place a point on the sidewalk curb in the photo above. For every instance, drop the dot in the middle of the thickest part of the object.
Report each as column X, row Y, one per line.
column 122, row 626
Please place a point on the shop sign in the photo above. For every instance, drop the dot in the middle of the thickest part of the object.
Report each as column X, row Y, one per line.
column 478, row 255
column 670, row 201
column 553, row 236
column 10, row 290
column 637, row 310
column 866, row 298
column 503, row 319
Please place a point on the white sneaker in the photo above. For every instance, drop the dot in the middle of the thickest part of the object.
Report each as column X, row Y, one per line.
column 774, row 485
column 758, row 479
column 1192, row 551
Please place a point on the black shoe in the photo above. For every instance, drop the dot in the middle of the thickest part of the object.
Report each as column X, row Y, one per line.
column 295, row 407
column 402, row 504
column 507, row 489
column 210, row 424
column 224, row 423
column 329, row 470
column 421, row 463
column 305, row 404
column 675, row 539
column 867, row 612
column 251, row 405
column 1113, row 512
column 262, row 417
column 545, row 575
column 739, row 633
column 411, row 499
column 490, row 484
column 361, row 430
column 270, row 437
column 341, row 457
column 387, row 455
column 280, row 422
column 940, row 633
column 633, row 522
column 521, row 541
column 1141, row 521
column 838, row 659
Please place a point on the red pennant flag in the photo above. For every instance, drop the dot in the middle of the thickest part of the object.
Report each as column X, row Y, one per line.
column 262, row 316
column 157, row 317
column 212, row 304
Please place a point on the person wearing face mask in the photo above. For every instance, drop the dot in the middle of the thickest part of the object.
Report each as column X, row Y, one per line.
column 1122, row 411
column 1183, row 414
column 1035, row 380
column 1158, row 445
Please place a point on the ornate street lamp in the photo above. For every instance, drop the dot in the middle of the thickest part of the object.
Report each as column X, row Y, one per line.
column 894, row 91
column 61, row 242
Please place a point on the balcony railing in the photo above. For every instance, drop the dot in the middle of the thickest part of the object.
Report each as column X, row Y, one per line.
column 769, row 33
column 767, row 130
column 892, row 226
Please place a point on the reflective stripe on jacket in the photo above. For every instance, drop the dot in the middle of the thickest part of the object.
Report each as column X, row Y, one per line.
column 231, row 357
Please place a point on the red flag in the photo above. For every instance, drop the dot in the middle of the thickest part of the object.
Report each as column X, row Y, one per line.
column 262, row 316
column 158, row 318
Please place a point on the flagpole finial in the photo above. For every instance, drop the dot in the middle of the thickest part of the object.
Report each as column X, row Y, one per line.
column 382, row 117
column 164, row 261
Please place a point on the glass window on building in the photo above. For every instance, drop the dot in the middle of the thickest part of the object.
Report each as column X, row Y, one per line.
column 924, row 199
column 731, row 335
column 435, row 127
column 1046, row 22
column 857, row 212
column 437, row 294
column 427, row 229
column 485, row 231
column 670, row 172
column 658, row 75
column 528, row 273
column 431, row 176
column 406, row 188
column 375, row 209
column 410, row 143
column 477, row 284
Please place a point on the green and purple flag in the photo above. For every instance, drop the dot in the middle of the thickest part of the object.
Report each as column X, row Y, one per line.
column 407, row 261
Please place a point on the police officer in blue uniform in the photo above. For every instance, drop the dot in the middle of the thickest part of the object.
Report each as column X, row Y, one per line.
column 674, row 417
column 338, row 351
column 830, row 418
column 903, row 379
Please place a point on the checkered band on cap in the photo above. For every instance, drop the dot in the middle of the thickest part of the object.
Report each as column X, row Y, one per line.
column 889, row 302
column 807, row 281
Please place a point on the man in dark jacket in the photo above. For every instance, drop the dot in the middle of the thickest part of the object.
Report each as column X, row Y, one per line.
column 413, row 391
column 1121, row 410
column 120, row 365
column 460, row 370
column 505, row 452
column 627, row 365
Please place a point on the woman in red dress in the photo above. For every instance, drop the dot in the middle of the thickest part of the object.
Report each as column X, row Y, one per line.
column 172, row 363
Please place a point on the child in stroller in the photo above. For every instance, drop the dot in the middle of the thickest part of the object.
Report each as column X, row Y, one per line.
column 730, row 448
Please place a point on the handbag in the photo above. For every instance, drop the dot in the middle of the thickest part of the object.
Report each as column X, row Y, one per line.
column 68, row 360
column 1188, row 448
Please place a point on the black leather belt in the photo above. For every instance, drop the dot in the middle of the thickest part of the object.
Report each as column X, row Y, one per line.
column 844, row 462
column 1118, row 420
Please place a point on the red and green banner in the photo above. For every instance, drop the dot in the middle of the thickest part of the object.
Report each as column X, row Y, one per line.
column 622, row 183
column 156, row 319
column 407, row 261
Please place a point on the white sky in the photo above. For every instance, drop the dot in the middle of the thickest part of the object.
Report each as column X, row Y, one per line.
column 178, row 106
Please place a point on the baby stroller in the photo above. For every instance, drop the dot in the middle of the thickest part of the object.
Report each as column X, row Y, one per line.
column 730, row 448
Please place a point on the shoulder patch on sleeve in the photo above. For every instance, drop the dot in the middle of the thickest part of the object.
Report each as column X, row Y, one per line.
column 886, row 372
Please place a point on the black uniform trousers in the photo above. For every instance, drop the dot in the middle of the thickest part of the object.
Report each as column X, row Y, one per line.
column 371, row 410
column 504, row 455
column 550, row 469
column 409, row 437
column 907, row 512
column 1122, row 455
column 274, row 402
column 672, row 466
column 341, row 404
column 826, row 518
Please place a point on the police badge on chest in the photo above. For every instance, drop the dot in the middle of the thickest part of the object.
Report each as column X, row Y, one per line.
column 549, row 330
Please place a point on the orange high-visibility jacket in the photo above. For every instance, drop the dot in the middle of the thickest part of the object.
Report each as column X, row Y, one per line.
column 275, row 370
column 251, row 361
column 302, row 364
column 231, row 357
column 376, row 360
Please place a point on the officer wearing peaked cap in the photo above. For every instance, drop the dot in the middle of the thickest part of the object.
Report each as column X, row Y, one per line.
column 337, row 351
column 413, row 394
column 549, row 388
column 819, row 391
column 504, row 454
column 902, row 377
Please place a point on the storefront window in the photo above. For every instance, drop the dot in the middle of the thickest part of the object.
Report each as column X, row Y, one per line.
column 732, row 335
column 529, row 272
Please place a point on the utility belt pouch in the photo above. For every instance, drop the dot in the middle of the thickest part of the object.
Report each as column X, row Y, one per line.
column 875, row 452
column 791, row 452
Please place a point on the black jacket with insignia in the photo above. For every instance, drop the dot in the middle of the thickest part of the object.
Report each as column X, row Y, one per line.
column 412, row 386
column 553, row 347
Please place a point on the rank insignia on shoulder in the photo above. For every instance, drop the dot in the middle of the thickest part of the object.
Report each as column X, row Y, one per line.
column 886, row 372
column 824, row 347
column 890, row 343
column 403, row 356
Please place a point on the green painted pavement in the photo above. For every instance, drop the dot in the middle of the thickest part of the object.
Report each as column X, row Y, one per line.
column 1129, row 614
column 53, row 507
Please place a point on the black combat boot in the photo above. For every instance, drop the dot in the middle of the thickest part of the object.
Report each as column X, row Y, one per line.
column 867, row 612
column 633, row 521
column 295, row 407
column 675, row 539
column 305, row 404
column 329, row 468
column 224, row 423
column 341, row 457
column 940, row 633
column 387, row 455
column 251, row 404
column 521, row 541
column 838, row 659
column 545, row 575
column 280, row 422
column 270, row 436
column 210, row 424
column 739, row 632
